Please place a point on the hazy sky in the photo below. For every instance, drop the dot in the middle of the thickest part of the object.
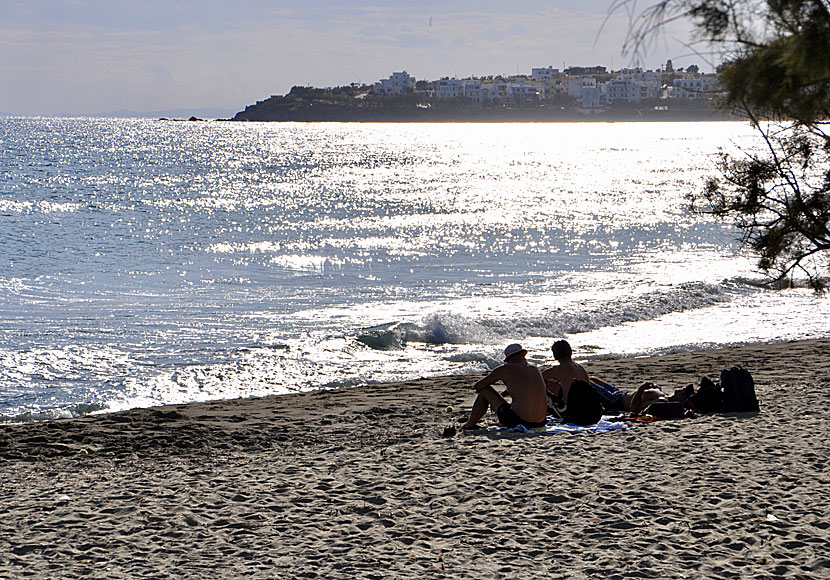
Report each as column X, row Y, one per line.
column 98, row 56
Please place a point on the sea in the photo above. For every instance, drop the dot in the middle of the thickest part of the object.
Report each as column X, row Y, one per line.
column 148, row 262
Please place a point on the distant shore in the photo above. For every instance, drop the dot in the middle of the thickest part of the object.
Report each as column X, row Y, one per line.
column 327, row 113
column 345, row 104
column 361, row 483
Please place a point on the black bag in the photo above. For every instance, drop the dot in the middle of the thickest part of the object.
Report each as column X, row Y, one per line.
column 708, row 398
column 666, row 410
column 738, row 391
column 584, row 404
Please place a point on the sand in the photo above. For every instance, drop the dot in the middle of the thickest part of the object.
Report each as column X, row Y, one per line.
column 361, row 483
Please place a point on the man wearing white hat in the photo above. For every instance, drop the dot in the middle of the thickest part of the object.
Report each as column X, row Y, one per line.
column 525, row 386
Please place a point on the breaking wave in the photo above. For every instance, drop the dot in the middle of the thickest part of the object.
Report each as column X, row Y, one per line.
column 49, row 414
column 454, row 328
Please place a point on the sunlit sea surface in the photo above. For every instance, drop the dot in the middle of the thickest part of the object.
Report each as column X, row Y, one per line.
column 148, row 262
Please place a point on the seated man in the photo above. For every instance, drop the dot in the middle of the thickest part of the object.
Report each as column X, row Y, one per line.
column 525, row 386
column 558, row 378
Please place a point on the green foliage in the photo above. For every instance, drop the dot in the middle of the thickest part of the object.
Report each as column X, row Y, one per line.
column 787, row 74
column 776, row 73
column 585, row 70
column 780, row 202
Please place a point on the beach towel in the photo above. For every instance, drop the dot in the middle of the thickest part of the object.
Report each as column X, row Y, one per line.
column 555, row 426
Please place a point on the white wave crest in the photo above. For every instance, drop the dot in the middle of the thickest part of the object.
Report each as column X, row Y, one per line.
column 455, row 328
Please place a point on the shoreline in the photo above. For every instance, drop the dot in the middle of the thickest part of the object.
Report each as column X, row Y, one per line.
column 360, row 482
column 323, row 114
column 601, row 362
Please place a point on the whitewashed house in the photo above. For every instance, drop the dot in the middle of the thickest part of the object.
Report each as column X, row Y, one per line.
column 397, row 84
column 473, row 92
column 551, row 80
column 592, row 99
column 633, row 85
column 526, row 93
column 450, row 88
column 577, row 83
column 694, row 87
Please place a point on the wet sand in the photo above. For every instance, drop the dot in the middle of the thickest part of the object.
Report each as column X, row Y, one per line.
column 361, row 483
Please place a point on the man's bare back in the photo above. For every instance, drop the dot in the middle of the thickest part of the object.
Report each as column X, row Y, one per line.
column 526, row 387
column 558, row 378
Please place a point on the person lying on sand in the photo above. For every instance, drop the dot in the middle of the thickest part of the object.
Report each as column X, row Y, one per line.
column 525, row 386
column 618, row 400
column 558, row 378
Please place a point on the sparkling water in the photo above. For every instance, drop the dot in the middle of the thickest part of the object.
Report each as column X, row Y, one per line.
column 149, row 262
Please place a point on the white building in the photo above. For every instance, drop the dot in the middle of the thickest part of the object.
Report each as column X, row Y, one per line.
column 694, row 87
column 577, row 83
column 632, row 85
column 513, row 90
column 543, row 75
column 450, row 88
column 398, row 83
column 551, row 80
column 591, row 99
column 526, row 93
column 626, row 91
column 473, row 91
column 495, row 91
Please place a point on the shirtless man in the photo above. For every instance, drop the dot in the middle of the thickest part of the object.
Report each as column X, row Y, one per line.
column 558, row 378
column 525, row 386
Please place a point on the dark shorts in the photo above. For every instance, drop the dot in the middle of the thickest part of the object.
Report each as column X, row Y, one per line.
column 509, row 418
column 613, row 399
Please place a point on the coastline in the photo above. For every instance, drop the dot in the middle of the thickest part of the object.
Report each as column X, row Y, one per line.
column 323, row 113
column 360, row 482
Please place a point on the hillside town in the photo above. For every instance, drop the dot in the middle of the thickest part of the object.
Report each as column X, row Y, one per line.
column 592, row 89
column 547, row 94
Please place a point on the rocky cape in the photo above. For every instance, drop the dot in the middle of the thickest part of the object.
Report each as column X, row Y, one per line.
column 351, row 104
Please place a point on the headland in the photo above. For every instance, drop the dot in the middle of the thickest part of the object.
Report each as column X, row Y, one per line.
column 305, row 104
column 545, row 95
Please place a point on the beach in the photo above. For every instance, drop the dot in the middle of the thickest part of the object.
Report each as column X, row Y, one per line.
column 365, row 483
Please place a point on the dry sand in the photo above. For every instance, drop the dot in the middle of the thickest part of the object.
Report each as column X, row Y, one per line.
column 360, row 483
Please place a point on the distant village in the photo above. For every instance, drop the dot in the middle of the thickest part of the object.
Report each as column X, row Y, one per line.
column 546, row 94
column 593, row 89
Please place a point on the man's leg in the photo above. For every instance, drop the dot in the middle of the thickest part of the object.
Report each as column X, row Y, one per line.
column 487, row 397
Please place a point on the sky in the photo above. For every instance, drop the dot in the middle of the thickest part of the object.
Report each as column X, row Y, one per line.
column 92, row 57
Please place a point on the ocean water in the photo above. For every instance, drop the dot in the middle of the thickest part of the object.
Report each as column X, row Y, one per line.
column 150, row 262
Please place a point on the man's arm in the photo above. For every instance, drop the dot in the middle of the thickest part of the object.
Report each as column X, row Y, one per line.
column 489, row 380
column 552, row 382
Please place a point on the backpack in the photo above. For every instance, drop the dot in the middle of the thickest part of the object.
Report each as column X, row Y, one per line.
column 584, row 404
column 738, row 391
column 667, row 410
column 708, row 398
